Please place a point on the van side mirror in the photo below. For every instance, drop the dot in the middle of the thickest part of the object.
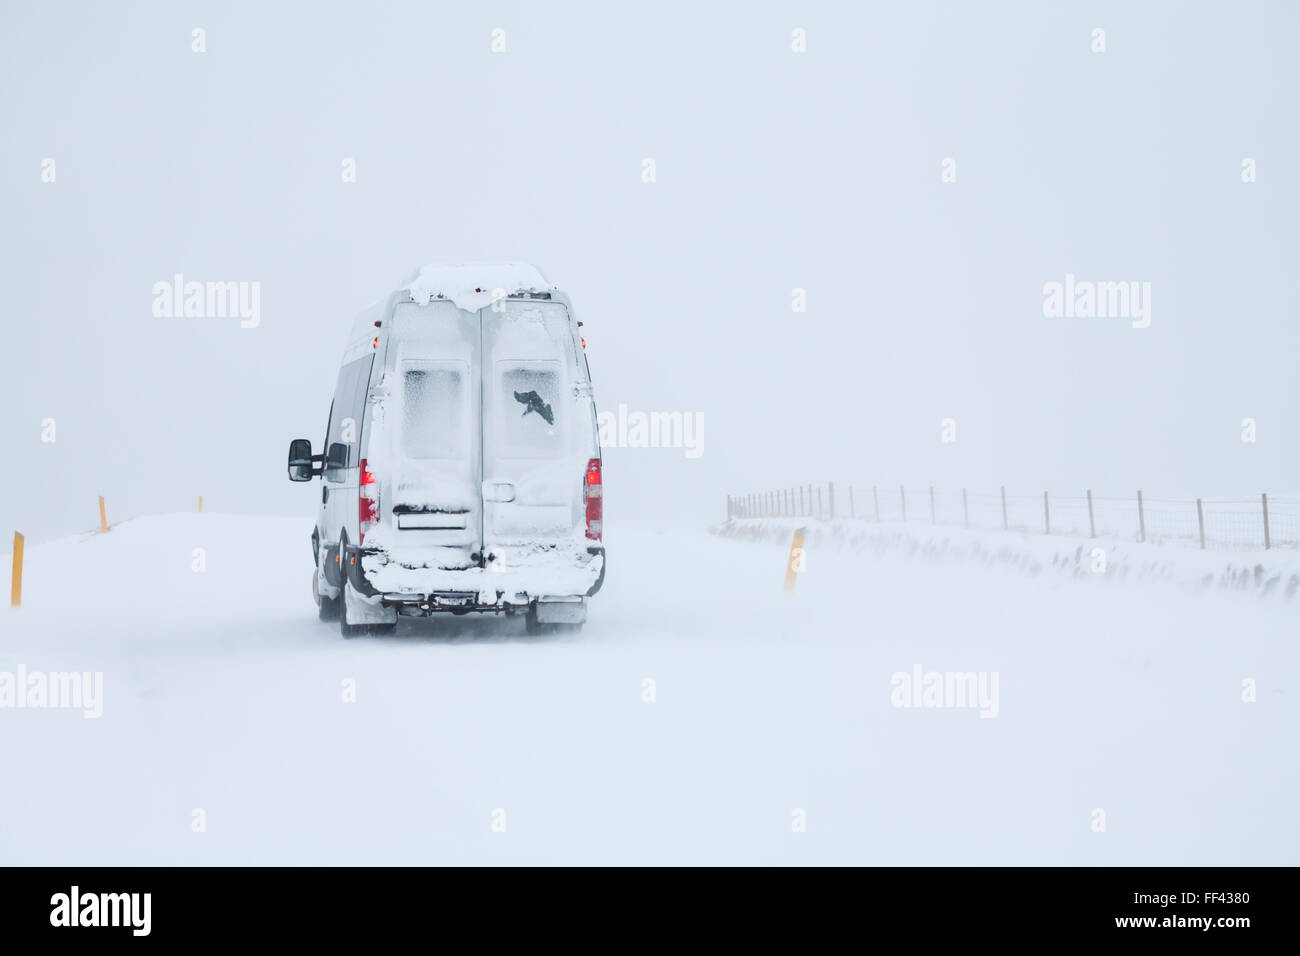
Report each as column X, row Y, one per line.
column 302, row 464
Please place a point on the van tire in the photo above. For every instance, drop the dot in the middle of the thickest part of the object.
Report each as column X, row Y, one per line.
column 357, row 630
column 327, row 609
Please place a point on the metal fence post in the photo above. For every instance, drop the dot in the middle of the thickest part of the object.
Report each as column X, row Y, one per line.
column 1047, row 516
column 830, row 499
column 1200, row 520
column 1142, row 519
column 876, row 498
column 902, row 500
column 1004, row 507
column 932, row 521
column 853, row 512
column 1264, row 499
column 1092, row 524
column 965, row 510
column 819, row 503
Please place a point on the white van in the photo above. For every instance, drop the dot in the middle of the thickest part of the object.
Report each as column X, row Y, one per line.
column 461, row 467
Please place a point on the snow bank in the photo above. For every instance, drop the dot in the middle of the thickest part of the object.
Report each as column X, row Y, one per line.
column 1266, row 573
column 474, row 285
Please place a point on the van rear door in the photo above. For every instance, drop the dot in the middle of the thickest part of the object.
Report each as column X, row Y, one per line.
column 537, row 427
column 430, row 454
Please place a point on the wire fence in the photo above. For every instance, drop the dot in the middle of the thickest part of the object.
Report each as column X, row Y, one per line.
column 1249, row 524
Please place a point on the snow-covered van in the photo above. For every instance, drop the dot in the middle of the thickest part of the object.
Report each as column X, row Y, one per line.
column 461, row 469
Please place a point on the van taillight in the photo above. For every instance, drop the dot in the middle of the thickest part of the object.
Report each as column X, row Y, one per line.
column 594, row 497
column 367, row 503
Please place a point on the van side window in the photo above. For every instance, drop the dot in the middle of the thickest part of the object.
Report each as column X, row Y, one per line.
column 348, row 412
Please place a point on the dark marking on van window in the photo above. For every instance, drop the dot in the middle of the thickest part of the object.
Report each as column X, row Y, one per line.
column 532, row 402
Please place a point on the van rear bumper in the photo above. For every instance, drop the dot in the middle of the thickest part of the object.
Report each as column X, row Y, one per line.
column 512, row 582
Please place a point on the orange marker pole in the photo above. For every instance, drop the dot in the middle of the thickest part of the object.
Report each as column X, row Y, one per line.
column 795, row 563
column 16, row 588
column 103, row 517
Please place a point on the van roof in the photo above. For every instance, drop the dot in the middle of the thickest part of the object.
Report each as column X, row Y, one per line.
column 472, row 285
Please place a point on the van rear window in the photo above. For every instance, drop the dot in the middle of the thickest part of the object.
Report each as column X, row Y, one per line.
column 531, row 412
column 434, row 411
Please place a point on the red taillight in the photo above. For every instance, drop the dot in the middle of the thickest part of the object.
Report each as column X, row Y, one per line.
column 592, row 492
column 367, row 503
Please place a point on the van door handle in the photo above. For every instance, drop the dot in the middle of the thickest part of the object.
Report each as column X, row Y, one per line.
column 499, row 491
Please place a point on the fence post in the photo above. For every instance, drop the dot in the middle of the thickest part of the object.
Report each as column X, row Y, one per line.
column 853, row 512
column 819, row 503
column 16, row 585
column 965, row 510
column 1092, row 525
column 1047, row 516
column 200, row 504
column 876, row 498
column 1200, row 520
column 902, row 500
column 1142, row 519
column 103, row 517
column 1264, row 498
column 830, row 499
column 1004, row 507
column 932, row 521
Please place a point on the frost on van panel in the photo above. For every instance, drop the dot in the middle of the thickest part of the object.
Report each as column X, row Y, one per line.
column 433, row 413
column 474, row 285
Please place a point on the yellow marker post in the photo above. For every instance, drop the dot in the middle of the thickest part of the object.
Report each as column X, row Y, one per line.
column 200, row 503
column 795, row 563
column 103, row 517
column 16, row 589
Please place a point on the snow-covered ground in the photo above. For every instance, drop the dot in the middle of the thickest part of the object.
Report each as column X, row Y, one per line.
column 223, row 693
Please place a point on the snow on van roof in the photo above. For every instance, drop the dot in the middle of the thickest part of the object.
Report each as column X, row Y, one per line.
column 471, row 285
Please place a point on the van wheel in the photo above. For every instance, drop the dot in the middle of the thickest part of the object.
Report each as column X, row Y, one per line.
column 356, row 630
column 327, row 609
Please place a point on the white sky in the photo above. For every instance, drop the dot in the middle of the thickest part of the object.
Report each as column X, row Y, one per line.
column 775, row 171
